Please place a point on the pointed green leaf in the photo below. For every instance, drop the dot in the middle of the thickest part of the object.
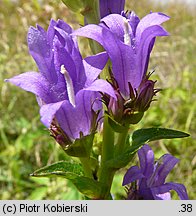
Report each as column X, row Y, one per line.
column 73, row 172
column 61, row 167
column 88, row 187
column 151, row 134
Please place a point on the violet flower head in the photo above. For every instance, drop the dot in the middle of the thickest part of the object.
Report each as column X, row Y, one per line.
column 129, row 42
column 66, row 87
column 111, row 7
column 150, row 178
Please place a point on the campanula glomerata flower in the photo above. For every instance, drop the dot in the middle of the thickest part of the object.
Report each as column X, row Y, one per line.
column 128, row 42
column 66, row 86
column 148, row 180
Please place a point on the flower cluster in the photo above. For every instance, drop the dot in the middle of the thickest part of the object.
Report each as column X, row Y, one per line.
column 75, row 95
column 150, row 178
column 66, row 87
column 128, row 42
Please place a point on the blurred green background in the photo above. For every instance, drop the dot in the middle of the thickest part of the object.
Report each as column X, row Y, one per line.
column 25, row 145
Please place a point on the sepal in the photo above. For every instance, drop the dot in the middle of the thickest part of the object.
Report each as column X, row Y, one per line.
column 80, row 147
column 132, row 118
column 116, row 126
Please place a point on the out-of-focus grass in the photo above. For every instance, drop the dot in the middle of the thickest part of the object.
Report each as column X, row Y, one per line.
column 24, row 142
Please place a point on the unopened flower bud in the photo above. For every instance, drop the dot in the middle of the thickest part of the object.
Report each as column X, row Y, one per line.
column 145, row 95
column 115, row 107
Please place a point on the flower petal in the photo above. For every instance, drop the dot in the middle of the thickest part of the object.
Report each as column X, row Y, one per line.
column 162, row 168
column 48, row 111
column 100, row 85
column 90, row 31
column 146, row 158
column 74, row 120
column 161, row 192
column 93, row 66
column 132, row 174
column 42, row 53
column 150, row 20
column 72, row 63
column 121, row 55
column 123, row 61
column 111, row 6
column 116, row 25
column 33, row 82
column 144, row 47
column 61, row 25
column 133, row 21
column 63, row 57
column 179, row 188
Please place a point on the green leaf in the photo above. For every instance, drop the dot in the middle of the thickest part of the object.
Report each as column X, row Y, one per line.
column 88, row 187
column 123, row 159
column 81, row 147
column 61, row 167
column 151, row 134
column 139, row 138
column 73, row 172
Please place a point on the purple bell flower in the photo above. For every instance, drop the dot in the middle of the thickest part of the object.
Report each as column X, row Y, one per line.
column 148, row 180
column 66, row 87
column 128, row 42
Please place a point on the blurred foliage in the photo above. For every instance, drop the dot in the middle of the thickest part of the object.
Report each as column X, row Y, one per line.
column 25, row 145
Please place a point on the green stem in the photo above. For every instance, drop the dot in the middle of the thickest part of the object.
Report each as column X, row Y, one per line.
column 85, row 161
column 106, row 174
column 121, row 141
column 91, row 11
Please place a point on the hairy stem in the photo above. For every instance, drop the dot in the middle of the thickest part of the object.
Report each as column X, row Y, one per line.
column 121, row 141
column 85, row 161
column 106, row 174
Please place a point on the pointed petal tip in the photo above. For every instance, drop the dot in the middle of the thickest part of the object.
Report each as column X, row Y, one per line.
column 52, row 20
column 32, row 28
column 11, row 80
column 133, row 173
column 38, row 27
column 162, row 14
column 179, row 188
